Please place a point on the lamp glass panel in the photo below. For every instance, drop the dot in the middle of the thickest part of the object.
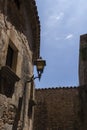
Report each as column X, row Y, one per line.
column 40, row 64
column 40, row 67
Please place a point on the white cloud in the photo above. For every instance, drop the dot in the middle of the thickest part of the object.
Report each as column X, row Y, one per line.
column 53, row 19
column 69, row 36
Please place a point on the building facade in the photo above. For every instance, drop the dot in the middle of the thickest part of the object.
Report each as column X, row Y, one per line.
column 19, row 48
column 64, row 108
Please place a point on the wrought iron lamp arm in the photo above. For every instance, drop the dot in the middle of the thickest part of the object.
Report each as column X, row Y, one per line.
column 32, row 78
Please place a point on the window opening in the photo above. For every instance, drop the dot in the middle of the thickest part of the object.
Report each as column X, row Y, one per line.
column 17, row 3
column 9, row 59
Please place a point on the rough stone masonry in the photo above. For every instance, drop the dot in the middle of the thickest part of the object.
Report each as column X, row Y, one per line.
column 19, row 47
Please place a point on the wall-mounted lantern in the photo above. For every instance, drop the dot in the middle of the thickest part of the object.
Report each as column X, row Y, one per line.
column 40, row 64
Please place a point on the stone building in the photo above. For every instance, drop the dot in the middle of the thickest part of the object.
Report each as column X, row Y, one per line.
column 19, row 48
column 83, row 60
column 64, row 108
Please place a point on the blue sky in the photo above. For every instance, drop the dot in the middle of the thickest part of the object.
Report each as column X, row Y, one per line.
column 62, row 23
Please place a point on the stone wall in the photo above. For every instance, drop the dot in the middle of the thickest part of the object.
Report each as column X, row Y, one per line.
column 83, row 60
column 7, row 113
column 57, row 109
column 83, row 107
column 16, row 32
column 16, row 39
